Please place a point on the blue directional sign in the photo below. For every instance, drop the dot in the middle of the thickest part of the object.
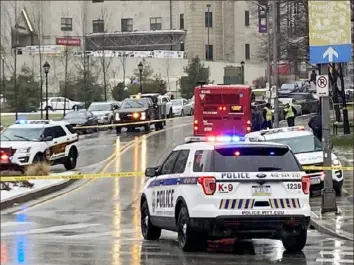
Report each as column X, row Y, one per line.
column 329, row 31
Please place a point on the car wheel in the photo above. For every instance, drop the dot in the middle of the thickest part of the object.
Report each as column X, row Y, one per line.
column 71, row 160
column 182, row 113
column 192, row 112
column 75, row 107
column 188, row 239
column 38, row 159
column 148, row 230
column 147, row 127
column 294, row 240
column 170, row 114
column 118, row 130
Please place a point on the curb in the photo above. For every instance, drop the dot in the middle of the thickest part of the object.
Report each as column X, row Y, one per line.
column 321, row 228
column 34, row 195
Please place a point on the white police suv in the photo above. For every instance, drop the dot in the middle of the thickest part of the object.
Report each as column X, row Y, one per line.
column 217, row 187
column 27, row 142
column 307, row 149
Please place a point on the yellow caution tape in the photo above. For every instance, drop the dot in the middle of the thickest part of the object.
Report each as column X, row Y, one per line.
column 125, row 124
column 75, row 176
column 327, row 168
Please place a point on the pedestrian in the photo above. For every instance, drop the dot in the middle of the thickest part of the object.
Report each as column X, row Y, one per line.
column 267, row 116
column 315, row 123
column 257, row 120
column 290, row 114
column 313, row 77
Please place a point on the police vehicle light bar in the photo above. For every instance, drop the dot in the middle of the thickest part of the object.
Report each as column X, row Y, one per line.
column 32, row 122
column 285, row 129
column 215, row 139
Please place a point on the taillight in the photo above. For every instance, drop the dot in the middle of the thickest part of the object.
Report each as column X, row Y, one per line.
column 248, row 122
column 196, row 128
column 222, row 108
column 306, row 183
column 248, row 129
column 208, row 185
column 195, row 122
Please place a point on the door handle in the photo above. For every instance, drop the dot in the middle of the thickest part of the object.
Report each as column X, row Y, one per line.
column 55, row 142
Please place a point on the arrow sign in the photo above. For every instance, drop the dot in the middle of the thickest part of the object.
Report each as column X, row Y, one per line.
column 330, row 52
column 202, row 96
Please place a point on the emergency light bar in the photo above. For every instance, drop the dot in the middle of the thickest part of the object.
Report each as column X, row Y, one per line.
column 285, row 129
column 32, row 121
column 214, row 139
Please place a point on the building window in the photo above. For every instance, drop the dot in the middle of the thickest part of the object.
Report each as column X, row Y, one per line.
column 181, row 21
column 66, row 24
column 155, row 23
column 247, row 18
column 209, row 56
column 247, row 52
column 98, row 26
column 208, row 19
column 97, row 1
column 126, row 24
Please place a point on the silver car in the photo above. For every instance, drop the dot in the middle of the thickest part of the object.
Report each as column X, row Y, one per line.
column 181, row 107
column 104, row 111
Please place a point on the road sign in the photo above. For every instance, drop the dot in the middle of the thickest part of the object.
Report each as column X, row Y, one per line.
column 322, row 88
column 330, row 31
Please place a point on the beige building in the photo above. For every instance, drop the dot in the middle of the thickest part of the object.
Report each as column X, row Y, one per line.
column 213, row 30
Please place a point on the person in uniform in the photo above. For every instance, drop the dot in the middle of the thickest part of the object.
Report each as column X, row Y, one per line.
column 267, row 116
column 290, row 114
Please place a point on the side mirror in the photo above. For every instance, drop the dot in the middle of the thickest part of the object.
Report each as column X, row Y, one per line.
column 48, row 139
column 151, row 172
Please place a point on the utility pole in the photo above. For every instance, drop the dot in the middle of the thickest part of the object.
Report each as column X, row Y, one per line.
column 275, row 62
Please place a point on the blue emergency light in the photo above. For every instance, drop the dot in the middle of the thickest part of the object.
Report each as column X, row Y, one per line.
column 22, row 122
column 215, row 139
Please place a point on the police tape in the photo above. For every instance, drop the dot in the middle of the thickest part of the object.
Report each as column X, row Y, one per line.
column 328, row 168
column 126, row 124
column 74, row 176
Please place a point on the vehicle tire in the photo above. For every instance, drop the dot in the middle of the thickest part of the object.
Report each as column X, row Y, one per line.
column 188, row 239
column 38, row 158
column 48, row 108
column 294, row 240
column 182, row 113
column 159, row 126
column 71, row 160
column 148, row 230
column 170, row 115
column 192, row 112
column 147, row 127
column 75, row 107
column 118, row 130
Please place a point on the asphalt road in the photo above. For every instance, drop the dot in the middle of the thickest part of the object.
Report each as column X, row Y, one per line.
column 99, row 223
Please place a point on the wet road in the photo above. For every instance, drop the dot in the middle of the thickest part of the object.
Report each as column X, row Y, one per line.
column 99, row 223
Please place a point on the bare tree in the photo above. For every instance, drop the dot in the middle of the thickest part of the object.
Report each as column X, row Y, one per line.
column 123, row 61
column 167, row 66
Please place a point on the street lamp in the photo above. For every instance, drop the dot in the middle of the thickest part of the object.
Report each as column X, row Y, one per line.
column 141, row 67
column 243, row 72
column 3, row 74
column 46, row 67
column 208, row 50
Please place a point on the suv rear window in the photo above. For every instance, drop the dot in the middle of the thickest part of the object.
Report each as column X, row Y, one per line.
column 246, row 159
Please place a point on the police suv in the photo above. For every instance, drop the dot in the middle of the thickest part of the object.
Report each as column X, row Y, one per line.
column 307, row 149
column 218, row 187
column 27, row 142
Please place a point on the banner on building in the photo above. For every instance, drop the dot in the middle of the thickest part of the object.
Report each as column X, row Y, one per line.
column 47, row 50
column 262, row 19
column 136, row 54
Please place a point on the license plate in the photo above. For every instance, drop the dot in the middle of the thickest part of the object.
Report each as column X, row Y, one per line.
column 261, row 191
column 316, row 180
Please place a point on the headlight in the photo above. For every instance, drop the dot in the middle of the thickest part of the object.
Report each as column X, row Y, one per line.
column 117, row 117
column 143, row 116
column 336, row 162
column 23, row 150
column 136, row 115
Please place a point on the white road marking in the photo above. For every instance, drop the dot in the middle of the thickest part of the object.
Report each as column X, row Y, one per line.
column 7, row 224
column 48, row 229
column 336, row 261
column 337, row 252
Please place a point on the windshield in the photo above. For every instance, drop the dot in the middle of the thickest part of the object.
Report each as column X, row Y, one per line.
column 177, row 102
column 21, row 134
column 100, row 107
column 301, row 144
column 132, row 104
column 75, row 115
column 287, row 86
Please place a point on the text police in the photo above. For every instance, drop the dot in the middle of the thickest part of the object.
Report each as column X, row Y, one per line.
column 234, row 175
column 164, row 199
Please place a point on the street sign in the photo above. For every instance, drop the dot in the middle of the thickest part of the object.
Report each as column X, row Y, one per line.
column 330, row 31
column 322, row 87
column 274, row 92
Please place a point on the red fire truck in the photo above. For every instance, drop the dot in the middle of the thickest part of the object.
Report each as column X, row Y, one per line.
column 222, row 110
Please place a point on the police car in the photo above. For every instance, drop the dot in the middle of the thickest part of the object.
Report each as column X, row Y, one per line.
column 308, row 151
column 218, row 187
column 27, row 142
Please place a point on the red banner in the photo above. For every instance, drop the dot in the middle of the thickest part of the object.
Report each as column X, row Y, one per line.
column 68, row 41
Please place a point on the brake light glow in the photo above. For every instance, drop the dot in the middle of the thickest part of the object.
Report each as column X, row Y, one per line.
column 248, row 129
column 306, row 183
column 222, row 108
column 208, row 184
column 237, row 153
column 4, row 157
column 248, row 122
column 300, row 128
column 195, row 121
column 196, row 128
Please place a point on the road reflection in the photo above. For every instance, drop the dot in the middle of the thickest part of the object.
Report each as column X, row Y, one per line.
column 116, row 249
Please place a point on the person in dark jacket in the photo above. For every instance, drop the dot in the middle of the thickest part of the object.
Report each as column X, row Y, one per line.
column 257, row 120
column 315, row 123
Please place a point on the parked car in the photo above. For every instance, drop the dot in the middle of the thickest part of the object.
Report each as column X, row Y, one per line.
column 161, row 100
column 191, row 104
column 181, row 107
column 309, row 102
column 57, row 103
column 293, row 102
column 82, row 118
column 104, row 111
column 288, row 88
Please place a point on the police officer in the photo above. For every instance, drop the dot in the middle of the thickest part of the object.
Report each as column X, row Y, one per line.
column 267, row 116
column 257, row 119
column 290, row 113
column 315, row 123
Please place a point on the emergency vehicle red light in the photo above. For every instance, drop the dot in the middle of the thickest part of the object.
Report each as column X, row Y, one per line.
column 237, row 153
column 248, row 129
column 300, row 128
column 4, row 157
column 195, row 121
column 195, row 128
column 248, row 122
column 306, row 183
column 208, row 185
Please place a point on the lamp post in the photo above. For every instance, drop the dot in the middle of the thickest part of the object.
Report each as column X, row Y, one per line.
column 3, row 75
column 46, row 67
column 141, row 67
column 243, row 72
column 208, row 55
